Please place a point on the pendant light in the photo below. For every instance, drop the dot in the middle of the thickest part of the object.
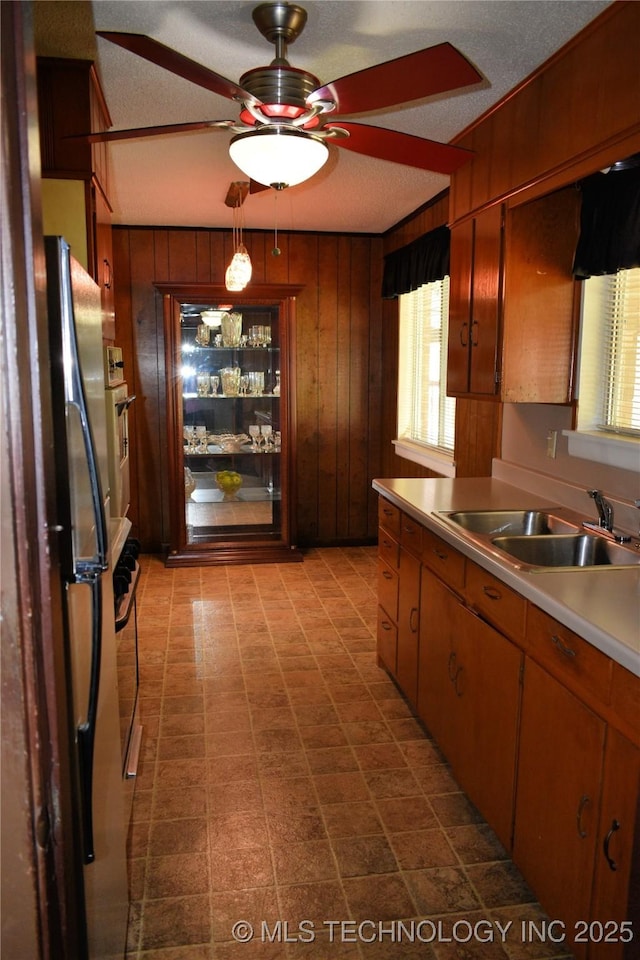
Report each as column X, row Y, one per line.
column 238, row 273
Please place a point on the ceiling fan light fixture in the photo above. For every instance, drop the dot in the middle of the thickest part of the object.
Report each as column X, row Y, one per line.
column 277, row 157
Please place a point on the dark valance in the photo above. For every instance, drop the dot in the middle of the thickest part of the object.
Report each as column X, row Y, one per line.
column 609, row 238
column 422, row 261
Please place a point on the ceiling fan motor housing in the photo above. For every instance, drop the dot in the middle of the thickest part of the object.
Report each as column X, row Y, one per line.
column 280, row 92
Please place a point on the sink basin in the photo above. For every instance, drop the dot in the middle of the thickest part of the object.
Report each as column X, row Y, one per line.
column 511, row 522
column 573, row 550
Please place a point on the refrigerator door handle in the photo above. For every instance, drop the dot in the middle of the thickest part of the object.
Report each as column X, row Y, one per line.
column 87, row 729
column 75, row 396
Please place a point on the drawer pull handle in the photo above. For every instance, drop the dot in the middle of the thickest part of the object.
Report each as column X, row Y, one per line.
column 387, row 512
column 584, row 800
column 557, row 642
column 440, row 555
column 413, row 620
column 459, row 673
column 492, row 593
column 387, row 575
column 615, row 825
column 387, row 543
column 410, row 530
column 386, row 625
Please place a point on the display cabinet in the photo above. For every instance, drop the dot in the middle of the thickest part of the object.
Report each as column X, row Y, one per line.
column 231, row 425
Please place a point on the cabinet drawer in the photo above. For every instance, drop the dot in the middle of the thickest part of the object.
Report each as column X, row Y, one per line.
column 494, row 600
column 411, row 535
column 568, row 657
column 388, row 548
column 388, row 589
column 445, row 561
column 388, row 516
column 625, row 699
column 387, row 641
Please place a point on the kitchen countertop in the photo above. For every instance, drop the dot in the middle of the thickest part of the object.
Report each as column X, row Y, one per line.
column 601, row 605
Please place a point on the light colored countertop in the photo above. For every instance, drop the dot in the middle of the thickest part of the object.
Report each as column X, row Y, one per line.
column 601, row 605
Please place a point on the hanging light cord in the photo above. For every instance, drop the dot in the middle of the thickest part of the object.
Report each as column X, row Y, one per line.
column 276, row 249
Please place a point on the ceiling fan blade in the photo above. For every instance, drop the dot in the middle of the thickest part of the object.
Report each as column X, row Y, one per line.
column 175, row 62
column 421, row 74
column 401, row 147
column 106, row 136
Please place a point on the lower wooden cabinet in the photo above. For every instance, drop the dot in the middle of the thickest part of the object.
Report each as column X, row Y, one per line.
column 469, row 698
column 616, row 890
column 541, row 729
column 558, row 797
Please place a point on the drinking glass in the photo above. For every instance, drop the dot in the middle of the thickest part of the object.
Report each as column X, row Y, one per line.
column 203, row 383
column 214, row 385
column 230, row 379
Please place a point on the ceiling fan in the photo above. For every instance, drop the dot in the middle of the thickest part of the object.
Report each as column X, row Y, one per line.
column 281, row 135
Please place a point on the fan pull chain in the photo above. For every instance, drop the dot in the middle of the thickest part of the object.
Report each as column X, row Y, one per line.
column 276, row 249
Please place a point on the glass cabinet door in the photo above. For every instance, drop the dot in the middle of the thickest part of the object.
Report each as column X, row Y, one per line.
column 230, row 432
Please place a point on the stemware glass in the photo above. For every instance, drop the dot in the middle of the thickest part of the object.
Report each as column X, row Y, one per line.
column 215, row 381
column 266, row 431
column 254, row 433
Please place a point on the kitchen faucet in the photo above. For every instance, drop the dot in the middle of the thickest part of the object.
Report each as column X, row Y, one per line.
column 605, row 518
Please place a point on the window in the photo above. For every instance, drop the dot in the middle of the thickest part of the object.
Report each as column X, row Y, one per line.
column 426, row 416
column 609, row 374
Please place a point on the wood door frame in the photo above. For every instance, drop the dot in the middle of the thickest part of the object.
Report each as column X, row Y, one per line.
column 42, row 899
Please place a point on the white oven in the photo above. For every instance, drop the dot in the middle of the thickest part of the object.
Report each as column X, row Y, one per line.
column 118, row 402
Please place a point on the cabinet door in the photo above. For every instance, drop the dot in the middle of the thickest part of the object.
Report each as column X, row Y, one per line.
column 557, row 798
column 539, row 299
column 486, row 303
column 487, row 685
column 469, row 698
column 408, row 625
column 437, row 663
column 461, row 262
column 616, row 893
column 103, row 266
column 474, row 305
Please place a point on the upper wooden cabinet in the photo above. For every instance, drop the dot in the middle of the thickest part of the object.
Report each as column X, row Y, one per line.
column 75, row 186
column 540, row 305
column 512, row 327
column 474, row 305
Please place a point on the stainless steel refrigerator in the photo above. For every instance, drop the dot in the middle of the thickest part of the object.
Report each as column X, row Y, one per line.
column 80, row 444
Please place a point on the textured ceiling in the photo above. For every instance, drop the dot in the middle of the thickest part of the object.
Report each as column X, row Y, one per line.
column 183, row 179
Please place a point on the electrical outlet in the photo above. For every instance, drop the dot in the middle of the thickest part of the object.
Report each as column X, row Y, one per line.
column 552, row 441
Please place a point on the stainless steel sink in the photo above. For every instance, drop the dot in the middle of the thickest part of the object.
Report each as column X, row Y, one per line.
column 566, row 550
column 527, row 523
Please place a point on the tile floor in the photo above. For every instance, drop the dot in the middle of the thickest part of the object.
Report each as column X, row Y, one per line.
column 285, row 783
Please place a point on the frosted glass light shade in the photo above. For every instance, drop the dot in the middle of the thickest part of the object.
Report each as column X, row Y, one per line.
column 283, row 157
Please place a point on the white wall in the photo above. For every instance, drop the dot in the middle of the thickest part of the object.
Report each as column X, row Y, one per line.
column 524, row 444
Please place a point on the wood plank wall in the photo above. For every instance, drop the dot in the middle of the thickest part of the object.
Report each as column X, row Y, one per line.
column 338, row 347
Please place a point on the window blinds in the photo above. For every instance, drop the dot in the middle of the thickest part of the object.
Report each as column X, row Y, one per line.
column 610, row 354
column 425, row 414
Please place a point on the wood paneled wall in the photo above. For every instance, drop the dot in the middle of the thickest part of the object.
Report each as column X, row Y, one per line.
column 339, row 379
